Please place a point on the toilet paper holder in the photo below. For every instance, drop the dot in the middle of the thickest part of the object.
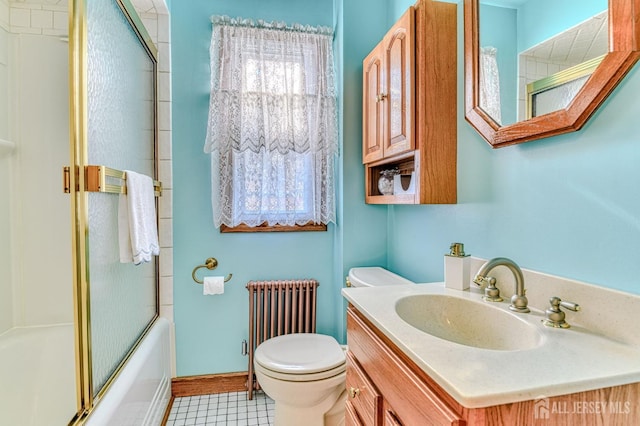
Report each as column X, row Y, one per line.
column 211, row 263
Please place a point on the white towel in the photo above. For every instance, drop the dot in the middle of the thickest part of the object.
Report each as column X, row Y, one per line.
column 212, row 285
column 137, row 225
column 126, row 256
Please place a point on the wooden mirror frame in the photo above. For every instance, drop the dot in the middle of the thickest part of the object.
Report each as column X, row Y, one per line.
column 624, row 51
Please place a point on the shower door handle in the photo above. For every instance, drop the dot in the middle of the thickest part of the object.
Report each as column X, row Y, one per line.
column 66, row 179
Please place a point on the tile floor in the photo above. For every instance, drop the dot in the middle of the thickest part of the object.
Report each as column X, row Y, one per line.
column 230, row 409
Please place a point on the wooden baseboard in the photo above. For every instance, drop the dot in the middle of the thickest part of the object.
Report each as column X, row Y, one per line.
column 165, row 418
column 209, row 383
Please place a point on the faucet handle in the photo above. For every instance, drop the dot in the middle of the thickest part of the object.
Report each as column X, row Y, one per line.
column 555, row 316
column 491, row 292
column 569, row 305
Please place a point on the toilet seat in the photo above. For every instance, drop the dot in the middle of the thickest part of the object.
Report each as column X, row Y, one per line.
column 300, row 357
column 312, row 377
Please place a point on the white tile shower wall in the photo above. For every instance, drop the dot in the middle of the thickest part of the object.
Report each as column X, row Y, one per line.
column 50, row 17
column 46, row 17
column 155, row 17
column 6, row 163
column 6, row 271
column 7, row 167
column 531, row 69
column 4, row 15
column 146, row 6
column 6, row 290
column 42, row 151
column 4, row 85
column 165, row 163
column 163, row 40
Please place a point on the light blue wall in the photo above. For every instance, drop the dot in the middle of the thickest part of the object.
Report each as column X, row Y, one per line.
column 364, row 227
column 567, row 205
column 209, row 329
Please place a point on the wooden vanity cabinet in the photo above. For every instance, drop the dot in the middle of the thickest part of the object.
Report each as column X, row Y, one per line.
column 387, row 388
column 363, row 395
column 409, row 106
column 403, row 395
column 351, row 417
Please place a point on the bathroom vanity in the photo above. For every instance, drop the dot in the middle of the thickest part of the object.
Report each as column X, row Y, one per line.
column 386, row 388
column 399, row 374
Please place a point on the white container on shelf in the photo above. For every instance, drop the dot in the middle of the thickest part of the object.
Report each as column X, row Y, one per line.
column 397, row 184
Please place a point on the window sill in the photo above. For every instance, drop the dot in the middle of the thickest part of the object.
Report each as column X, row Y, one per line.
column 274, row 228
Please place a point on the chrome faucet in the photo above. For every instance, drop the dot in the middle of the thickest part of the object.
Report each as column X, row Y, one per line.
column 492, row 293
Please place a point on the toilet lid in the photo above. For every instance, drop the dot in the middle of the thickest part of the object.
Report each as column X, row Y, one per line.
column 300, row 353
column 374, row 276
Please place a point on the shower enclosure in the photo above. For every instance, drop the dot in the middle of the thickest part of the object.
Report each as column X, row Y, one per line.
column 77, row 88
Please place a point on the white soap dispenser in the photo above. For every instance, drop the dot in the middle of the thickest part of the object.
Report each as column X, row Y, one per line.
column 456, row 268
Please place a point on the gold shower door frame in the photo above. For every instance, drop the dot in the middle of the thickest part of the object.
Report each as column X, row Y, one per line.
column 78, row 122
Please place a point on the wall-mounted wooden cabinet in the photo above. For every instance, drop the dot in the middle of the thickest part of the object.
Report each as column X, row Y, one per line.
column 388, row 93
column 409, row 107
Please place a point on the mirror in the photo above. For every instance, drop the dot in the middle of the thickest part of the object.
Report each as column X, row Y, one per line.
column 538, row 68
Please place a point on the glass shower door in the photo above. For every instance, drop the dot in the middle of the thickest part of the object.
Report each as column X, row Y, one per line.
column 114, row 125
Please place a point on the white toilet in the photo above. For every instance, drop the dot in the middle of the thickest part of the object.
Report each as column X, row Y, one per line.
column 305, row 373
column 375, row 276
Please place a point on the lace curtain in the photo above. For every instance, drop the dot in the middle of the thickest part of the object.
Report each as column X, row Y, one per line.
column 490, row 83
column 272, row 128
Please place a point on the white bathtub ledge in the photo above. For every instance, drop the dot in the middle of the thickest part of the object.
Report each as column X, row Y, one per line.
column 141, row 392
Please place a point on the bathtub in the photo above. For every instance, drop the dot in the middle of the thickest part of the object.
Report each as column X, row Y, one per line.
column 141, row 392
column 37, row 379
column 37, row 376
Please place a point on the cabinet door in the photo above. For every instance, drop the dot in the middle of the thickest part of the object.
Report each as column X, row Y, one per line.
column 390, row 419
column 402, row 386
column 399, row 99
column 372, row 105
column 364, row 396
column 351, row 415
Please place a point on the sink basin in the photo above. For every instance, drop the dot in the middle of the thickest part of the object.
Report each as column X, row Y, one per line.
column 468, row 322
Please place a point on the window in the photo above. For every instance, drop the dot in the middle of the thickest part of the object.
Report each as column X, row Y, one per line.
column 272, row 128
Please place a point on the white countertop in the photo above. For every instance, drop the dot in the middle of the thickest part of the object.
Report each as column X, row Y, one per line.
column 567, row 360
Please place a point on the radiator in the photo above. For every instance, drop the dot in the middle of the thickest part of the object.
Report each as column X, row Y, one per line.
column 277, row 308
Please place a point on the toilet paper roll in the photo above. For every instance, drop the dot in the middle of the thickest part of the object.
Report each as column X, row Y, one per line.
column 213, row 285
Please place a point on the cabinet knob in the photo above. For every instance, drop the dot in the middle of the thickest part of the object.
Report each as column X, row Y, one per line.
column 381, row 97
column 353, row 392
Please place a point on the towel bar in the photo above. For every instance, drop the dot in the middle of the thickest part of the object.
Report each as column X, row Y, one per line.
column 96, row 180
column 211, row 263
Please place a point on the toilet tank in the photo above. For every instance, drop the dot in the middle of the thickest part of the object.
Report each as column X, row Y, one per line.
column 370, row 276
